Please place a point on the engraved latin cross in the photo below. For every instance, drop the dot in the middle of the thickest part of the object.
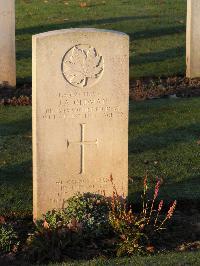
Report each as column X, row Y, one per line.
column 82, row 143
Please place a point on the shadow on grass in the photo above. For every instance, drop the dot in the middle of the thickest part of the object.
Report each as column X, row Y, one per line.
column 187, row 189
column 23, row 54
column 158, row 32
column 83, row 23
column 16, row 188
column 185, row 192
column 156, row 141
column 27, row 79
column 15, row 173
column 153, row 57
column 18, row 127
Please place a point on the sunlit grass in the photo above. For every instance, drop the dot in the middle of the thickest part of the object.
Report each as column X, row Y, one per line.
column 156, row 29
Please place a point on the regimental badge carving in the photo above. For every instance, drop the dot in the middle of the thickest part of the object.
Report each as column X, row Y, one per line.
column 82, row 66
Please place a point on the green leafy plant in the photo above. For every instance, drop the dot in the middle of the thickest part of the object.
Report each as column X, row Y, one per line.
column 53, row 218
column 8, row 238
column 84, row 217
column 91, row 210
column 135, row 230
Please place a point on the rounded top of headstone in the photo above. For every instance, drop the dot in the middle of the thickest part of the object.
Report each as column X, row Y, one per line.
column 75, row 30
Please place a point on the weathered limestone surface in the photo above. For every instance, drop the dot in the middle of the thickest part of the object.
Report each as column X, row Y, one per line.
column 7, row 43
column 80, row 114
column 193, row 39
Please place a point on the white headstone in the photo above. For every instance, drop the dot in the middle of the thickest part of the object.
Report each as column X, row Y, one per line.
column 7, row 43
column 80, row 115
column 193, row 39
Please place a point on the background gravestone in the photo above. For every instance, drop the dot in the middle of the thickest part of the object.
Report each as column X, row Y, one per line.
column 7, row 43
column 80, row 114
column 193, row 38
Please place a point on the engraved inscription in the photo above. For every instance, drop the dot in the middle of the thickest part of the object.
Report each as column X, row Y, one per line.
column 82, row 143
column 74, row 184
column 60, row 194
column 83, row 105
column 82, row 66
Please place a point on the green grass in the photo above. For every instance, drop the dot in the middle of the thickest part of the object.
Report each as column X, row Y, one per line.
column 163, row 137
column 15, row 159
column 186, row 258
column 156, row 29
column 163, row 141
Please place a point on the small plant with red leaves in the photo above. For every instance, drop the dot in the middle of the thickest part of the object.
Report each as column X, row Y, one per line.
column 135, row 230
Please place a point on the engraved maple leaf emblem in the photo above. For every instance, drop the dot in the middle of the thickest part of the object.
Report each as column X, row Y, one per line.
column 82, row 64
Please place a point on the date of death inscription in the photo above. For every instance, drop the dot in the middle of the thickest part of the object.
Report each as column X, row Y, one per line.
column 83, row 105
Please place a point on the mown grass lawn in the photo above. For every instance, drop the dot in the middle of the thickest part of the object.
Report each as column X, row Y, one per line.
column 156, row 29
column 169, row 259
column 163, row 140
